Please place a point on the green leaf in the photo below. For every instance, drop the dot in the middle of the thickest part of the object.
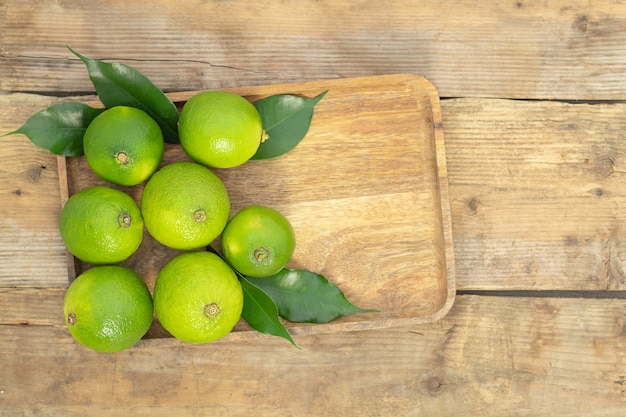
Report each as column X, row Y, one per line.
column 59, row 128
column 304, row 296
column 286, row 119
column 121, row 85
column 260, row 312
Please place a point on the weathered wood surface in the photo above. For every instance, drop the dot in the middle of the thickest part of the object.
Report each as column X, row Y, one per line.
column 491, row 356
column 536, row 191
column 518, row 48
column 31, row 251
column 537, row 194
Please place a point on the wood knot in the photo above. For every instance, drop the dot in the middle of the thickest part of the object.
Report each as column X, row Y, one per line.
column 433, row 385
column 34, row 172
column 603, row 161
column 472, row 205
column 581, row 23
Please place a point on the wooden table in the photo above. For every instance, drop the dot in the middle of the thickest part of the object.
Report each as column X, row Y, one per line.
column 533, row 101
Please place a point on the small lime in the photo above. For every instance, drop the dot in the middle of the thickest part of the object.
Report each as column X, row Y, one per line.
column 258, row 241
column 124, row 145
column 220, row 129
column 197, row 297
column 101, row 225
column 185, row 205
column 108, row 308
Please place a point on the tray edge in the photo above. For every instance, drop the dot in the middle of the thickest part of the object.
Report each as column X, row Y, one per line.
column 413, row 80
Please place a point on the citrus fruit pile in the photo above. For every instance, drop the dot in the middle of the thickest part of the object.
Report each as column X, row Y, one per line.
column 197, row 295
column 200, row 294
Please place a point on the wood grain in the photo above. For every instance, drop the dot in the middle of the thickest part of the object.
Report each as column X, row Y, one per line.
column 513, row 49
column 490, row 356
column 31, row 249
column 537, row 191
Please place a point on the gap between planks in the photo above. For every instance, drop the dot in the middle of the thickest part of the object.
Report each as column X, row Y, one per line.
column 618, row 295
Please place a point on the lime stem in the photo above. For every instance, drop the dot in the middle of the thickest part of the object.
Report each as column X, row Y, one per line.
column 199, row 215
column 122, row 157
column 261, row 254
column 211, row 310
column 124, row 219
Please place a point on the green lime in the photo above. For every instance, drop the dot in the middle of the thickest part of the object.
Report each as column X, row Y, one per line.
column 101, row 225
column 197, row 297
column 185, row 206
column 220, row 129
column 123, row 145
column 108, row 308
column 258, row 241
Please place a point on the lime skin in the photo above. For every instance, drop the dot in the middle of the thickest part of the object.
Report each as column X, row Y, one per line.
column 258, row 241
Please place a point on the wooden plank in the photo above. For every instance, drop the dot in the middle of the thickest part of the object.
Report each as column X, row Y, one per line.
column 519, row 49
column 31, row 249
column 536, row 191
column 491, row 356
column 32, row 306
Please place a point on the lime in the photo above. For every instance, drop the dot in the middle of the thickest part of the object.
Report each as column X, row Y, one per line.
column 185, row 206
column 108, row 308
column 123, row 145
column 220, row 129
column 258, row 241
column 101, row 225
column 197, row 297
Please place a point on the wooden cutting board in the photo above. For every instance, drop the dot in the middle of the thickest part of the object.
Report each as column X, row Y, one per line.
column 366, row 192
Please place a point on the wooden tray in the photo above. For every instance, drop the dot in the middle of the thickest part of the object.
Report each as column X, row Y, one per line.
column 366, row 192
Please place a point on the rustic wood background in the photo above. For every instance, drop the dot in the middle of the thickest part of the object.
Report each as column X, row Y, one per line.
column 534, row 108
